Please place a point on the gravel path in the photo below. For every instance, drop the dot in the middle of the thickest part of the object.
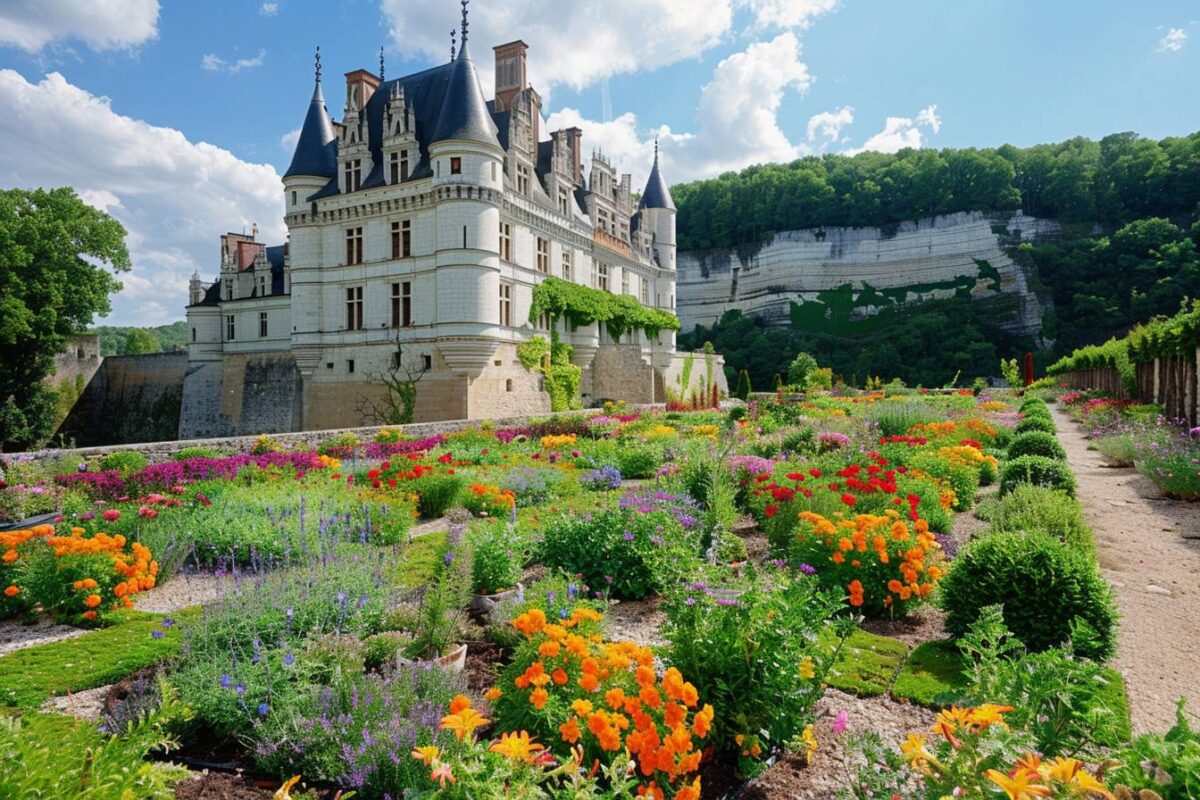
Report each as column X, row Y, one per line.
column 1152, row 567
column 181, row 591
column 15, row 635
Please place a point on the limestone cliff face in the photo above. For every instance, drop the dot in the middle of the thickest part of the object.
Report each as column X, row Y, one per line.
column 824, row 276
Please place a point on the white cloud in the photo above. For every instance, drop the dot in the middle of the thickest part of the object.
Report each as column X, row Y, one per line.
column 828, row 125
column 788, row 13
column 737, row 126
column 289, row 139
column 1173, row 41
column 901, row 132
column 173, row 195
column 101, row 24
column 269, row 9
column 214, row 63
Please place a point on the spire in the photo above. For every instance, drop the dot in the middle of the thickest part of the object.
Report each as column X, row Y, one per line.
column 316, row 149
column 453, row 33
column 656, row 195
column 464, row 22
column 381, row 78
column 464, row 115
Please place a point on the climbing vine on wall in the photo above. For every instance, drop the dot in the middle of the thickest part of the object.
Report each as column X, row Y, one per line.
column 582, row 305
column 559, row 376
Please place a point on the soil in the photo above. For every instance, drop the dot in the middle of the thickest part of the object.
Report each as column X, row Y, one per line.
column 638, row 621
column 220, row 786
column 1152, row 567
column 485, row 659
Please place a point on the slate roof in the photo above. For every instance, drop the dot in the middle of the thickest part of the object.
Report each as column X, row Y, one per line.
column 657, row 195
column 464, row 115
column 316, row 149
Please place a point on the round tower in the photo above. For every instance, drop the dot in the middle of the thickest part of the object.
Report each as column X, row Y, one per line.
column 314, row 163
column 658, row 212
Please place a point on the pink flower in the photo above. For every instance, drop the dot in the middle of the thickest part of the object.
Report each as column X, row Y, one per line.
column 147, row 512
column 111, row 515
column 840, row 722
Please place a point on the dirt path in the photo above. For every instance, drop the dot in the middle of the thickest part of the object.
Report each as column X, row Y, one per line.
column 1153, row 569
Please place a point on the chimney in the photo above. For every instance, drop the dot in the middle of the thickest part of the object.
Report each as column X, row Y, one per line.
column 510, row 72
column 575, row 138
column 360, row 85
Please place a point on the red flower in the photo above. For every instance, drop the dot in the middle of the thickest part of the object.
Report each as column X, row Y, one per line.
column 816, row 473
column 795, row 476
column 445, row 458
column 849, row 499
column 771, row 510
column 111, row 515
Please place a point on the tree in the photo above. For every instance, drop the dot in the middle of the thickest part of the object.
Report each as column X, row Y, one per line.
column 141, row 341
column 743, row 386
column 801, row 367
column 399, row 398
column 58, row 255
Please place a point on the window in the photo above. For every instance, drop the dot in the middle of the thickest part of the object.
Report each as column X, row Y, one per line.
column 262, row 324
column 262, row 285
column 293, row 198
column 397, row 167
column 455, row 165
column 522, row 179
column 508, row 385
column 602, row 276
column 402, row 239
column 506, row 304
column 353, row 174
column 624, row 281
column 228, row 289
column 402, row 304
column 354, row 245
column 493, row 170
column 543, row 255
column 543, row 322
column 354, row 308
column 350, row 365
column 567, row 271
column 645, row 291
column 427, row 361
column 229, row 330
column 505, row 241
column 193, row 337
column 564, row 203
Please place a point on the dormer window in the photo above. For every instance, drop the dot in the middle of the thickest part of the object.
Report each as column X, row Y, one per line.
column 353, row 174
column 522, row 179
column 397, row 167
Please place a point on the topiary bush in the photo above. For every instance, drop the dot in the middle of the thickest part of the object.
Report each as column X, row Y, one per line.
column 1037, row 443
column 742, row 392
column 1037, row 508
column 1038, row 470
column 1036, row 422
column 1049, row 591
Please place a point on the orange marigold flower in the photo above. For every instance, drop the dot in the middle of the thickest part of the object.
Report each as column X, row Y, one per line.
column 589, row 682
column 92, row 600
column 89, row 615
column 538, row 698
column 689, row 791
column 12, row 591
column 459, row 703
column 559, row 676
column 615, row 698
column 493, row 694
column 570, row 731
column 10, row 556
column 549, row 649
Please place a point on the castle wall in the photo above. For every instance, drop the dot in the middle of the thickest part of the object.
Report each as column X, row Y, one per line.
column 241, row 394
column 78, row 361
column 909, row 262
column 129, row 399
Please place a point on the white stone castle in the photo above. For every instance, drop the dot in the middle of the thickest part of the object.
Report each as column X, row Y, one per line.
column 427, row 216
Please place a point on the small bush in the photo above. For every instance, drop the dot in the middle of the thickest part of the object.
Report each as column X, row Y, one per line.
column 1036, row 423
column 341, row 446
column 436, row 494
column 499, row 553
column 380, row 649
column 1119, row 449
column 1037, row 508
column 1050, row 592
column 1037, row 443
column 197, row 452
column 1038, row 470
column 126, row 462
column 639, row 460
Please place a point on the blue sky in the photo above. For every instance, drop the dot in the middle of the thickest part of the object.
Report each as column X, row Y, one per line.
column 174, row 117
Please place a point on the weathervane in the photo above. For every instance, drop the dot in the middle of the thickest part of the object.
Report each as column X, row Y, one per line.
column 464, row 21
column 381, row 63
column 318, row 63
column 453, row 33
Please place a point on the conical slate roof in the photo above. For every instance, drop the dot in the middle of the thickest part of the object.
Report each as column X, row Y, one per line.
column 657, row 195
column 316, row 149
column 464, row 115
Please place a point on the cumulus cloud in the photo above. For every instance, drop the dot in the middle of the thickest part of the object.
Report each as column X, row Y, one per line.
column 174, row 196
column 269, row 9
column 826, row 127
column 901, row 132
column 788, row 13
column 100, row 24
column 214, row 63
column 1173, row 41
column 737, row 126
column 289, row 139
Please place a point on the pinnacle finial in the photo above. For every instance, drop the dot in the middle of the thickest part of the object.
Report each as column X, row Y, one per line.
column 381, row 63
column 317, row 62
column 656, row 148
column 464, row 21
column 453, row 33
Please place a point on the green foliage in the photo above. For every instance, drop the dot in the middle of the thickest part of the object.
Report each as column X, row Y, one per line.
column 639, row 460
column 800, row 368
column 743, row 390
column 896, row 418
column 582, row 305
column 1039, row 471
column 624, row 553
column 197, row 452
column 436, row 494
column 532, row 352
column 498, row 553
column 1035, row 422
column 866, row 664
column 1037, row 443
column 1010, row 371
column 168, row 337
column 1049, row 592
column 43, row 756
column 141, row 341
column 1037, row 508
column 59, row 256
column 1168, row 764
column 758, row 660
column 124, row 461
column 932, row 672
column 560, row 377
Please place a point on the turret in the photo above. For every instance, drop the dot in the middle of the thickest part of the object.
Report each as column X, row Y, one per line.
column 354, row 156
column 314, row 163
column 400, row 153
column 658, row 215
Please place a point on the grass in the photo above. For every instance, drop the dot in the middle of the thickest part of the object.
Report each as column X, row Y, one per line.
column 1113, row 696
column 96, row 658
column 867, row 664
column 933, row 669
column 419, row 560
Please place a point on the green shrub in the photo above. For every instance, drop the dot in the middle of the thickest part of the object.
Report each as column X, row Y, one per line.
column 1168, row 765
column 126, row 462
column 742, row 391
column 341, row 446
column 1037, row 443
column 963, row 478
column 896, row 418
column 1033, row 403
column 1037, row 508
column 1050, row 592
column 639, row 460
column 1119, row 449
column 436, row 494
column 1038, row 470
column 1036, row 423
column 499, row 553
column 380, row 649
column 197, row 452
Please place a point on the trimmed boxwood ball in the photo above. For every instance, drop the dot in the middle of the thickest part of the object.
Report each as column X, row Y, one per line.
column 1036, row 508
column 1039, row 471
column 1037, row 443
column 1045, row 587
column 1035, row 423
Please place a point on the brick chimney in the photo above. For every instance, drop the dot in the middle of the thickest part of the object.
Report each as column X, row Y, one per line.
column 510, row 72
column 575, row 141
column 360, row 85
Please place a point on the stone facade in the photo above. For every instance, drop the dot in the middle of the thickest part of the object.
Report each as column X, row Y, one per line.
column 910, row 262
column 129, row 399
column 424, row 219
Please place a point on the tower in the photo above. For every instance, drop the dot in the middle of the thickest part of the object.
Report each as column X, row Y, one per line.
column 658, row 212
column 315, row 161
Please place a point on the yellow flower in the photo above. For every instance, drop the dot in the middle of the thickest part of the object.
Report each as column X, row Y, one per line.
column 284, row 791
column 1019, row 786
column 808, row 670
column 464, row 722
column 427, row 754
column 517, row 747
column 809, row 737
column 913, row 749
column 987, row 714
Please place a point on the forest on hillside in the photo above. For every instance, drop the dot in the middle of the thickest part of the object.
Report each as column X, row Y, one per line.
column 1129, row 208
column 118, row 340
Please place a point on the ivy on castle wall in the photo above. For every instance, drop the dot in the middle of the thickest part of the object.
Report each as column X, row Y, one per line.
column 560, row 377
column 582, row 305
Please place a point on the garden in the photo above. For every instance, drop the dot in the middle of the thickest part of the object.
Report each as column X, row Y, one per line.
column 835, row 593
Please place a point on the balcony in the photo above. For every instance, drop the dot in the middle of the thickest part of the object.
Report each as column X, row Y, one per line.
column 607, row 240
